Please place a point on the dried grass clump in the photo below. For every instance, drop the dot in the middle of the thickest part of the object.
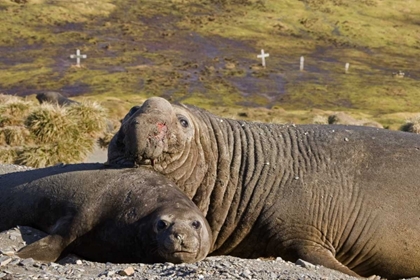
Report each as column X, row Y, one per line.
column 343, row 118
column 112, row 127
column 318, row 119
column 14, row 135
column 57, row 152
column 13, row 110
column 412, row 125
column 105, row 139
column 90, row 116
column 8, row 154
column 40, row 135
column 51, row 123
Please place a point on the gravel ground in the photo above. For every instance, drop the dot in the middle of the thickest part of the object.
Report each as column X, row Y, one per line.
column 73, row 267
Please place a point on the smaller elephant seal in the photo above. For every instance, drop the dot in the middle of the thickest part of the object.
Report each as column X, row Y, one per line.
column 105, row 215
column 54, row 97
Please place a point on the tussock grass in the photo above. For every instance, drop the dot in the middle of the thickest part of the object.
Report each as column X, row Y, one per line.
column 412, row 125
column 11, row 110
column 8, row 154
column 90, row 116
column 56, row 152
column 50, row 123
column 14, row 135
column 343, row 118
column 42, row 135
column 318, row 119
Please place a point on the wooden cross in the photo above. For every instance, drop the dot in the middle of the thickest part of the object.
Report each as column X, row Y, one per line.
column 78, row 56
column 263, row 56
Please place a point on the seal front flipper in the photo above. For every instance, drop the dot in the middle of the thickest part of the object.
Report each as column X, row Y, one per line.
column 62, row 233
column 318, row 255
column 47, row 249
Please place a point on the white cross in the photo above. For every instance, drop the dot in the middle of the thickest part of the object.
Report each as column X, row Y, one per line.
column 346, row 67
column 78, row 56
column 302, row 62
column 263, row 56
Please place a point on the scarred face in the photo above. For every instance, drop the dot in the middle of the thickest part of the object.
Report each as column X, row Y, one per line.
column 155, row 133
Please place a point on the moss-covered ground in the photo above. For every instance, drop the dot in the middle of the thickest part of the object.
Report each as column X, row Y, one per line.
column 204, row 52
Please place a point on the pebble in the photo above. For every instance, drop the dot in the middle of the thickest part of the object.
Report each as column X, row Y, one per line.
column 246, row 273
column 15, row 233
column 5, row 260
column 8, row 252
column 211, row 268
column 27, row 262
column 305, row 264
column 127, row 272
column 15, row 262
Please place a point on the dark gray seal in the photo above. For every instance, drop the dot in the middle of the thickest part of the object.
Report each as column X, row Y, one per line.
column 54, row 97
column 345, row 197
column 105, row 215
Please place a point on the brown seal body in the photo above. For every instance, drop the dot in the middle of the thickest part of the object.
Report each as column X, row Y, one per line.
column 54, row 97
column 106, row 215
column 345, row 197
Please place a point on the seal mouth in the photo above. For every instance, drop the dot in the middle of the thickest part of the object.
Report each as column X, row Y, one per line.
column 183, row 256
column 183, row 253
column 140, row 161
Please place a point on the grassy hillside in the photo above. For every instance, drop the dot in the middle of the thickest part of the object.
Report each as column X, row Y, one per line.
column 204, row 53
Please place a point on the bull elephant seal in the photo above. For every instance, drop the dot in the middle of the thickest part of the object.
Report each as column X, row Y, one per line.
column 54, row 97
column 106, row 215
column 344, row 197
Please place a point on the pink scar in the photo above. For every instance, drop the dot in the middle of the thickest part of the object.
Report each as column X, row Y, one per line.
column 162, row 129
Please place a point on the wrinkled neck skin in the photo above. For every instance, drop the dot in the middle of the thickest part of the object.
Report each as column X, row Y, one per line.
column 186, row 164
column 214, row 170
column 227, row 167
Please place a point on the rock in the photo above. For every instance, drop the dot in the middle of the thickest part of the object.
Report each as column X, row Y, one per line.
column 7, row 252
column 5, row 260
column 15, row 262
column 127, row 272
column 27, row 262
column 305, row 264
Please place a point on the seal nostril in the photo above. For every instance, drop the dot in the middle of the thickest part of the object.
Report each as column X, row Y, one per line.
column 180, row 237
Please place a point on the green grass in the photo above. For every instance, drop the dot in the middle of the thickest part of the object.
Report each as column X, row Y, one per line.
column 180, row 50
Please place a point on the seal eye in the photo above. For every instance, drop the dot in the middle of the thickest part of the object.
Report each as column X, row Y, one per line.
column 196, row 224
column 161, row 225
column 183, row 121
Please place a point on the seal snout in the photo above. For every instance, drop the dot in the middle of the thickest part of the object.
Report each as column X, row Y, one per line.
column 146, row 139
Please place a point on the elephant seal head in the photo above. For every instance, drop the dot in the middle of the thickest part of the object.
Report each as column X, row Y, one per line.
column 181, row 234
column 156, row 133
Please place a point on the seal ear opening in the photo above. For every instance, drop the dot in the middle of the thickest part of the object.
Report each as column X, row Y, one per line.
column 47, row 249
